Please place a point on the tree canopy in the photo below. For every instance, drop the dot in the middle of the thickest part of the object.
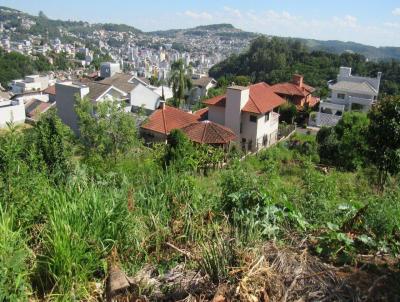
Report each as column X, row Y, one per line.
column 275, row 59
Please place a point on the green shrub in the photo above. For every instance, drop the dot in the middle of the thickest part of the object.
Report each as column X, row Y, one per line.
column 15, row 257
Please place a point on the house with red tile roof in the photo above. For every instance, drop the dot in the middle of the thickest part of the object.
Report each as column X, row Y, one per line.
column 296, row 92
column 163, row 120
column 250, row 112
column 167, row 118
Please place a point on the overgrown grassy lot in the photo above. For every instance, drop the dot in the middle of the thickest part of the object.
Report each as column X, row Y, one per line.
column 62, row 231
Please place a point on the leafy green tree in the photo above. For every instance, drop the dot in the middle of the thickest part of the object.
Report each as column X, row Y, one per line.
column 53, row 143
column 384, row 138
column 288, row 112
column 345, row 145
column 105, row 128
column 328, row 145
column 180, row 80
column 180, row 152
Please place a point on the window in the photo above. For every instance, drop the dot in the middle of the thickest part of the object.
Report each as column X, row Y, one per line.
column 341, row 96
column 253, row 118
column 241, row 127
column 267, row 117
column 265, row 140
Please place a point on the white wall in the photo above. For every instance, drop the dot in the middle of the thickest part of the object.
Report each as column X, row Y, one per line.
column 12, row 113
column 142, row 96
column 216, row 114
column 249, row 129
column 267, row 128
column 236, row 98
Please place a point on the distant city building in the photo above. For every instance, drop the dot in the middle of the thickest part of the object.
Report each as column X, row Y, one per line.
column 29, row 84
column 108, row 69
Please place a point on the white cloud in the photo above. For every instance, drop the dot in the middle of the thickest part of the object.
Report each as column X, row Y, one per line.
column 198, row 15
column 392, row 24
column 346, row 21
column 234, row 12
column 396, row 11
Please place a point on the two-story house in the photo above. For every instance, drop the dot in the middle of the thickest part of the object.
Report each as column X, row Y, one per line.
column 250, row 112
column 296, row 92
column 348, row 93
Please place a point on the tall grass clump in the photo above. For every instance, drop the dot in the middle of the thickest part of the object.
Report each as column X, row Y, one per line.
column 84, row 223
column 15, row 262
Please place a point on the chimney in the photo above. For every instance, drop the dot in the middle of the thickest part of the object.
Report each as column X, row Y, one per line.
column 298, row 80
column 236, row 99
column 162, row 104
column 345, row 72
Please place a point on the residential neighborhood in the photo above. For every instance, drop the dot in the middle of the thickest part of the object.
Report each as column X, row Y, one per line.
column 199, row 151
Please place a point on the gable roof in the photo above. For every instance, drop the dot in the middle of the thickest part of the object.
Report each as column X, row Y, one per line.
column 216, row 101
column 356, row 87
column 292, row 89
column 203, row 82
column 202, row 114
column 207, row 132
column 165, row 119
column 121, row 81
column 97, row 89
column 262, row 99
column 35, row 108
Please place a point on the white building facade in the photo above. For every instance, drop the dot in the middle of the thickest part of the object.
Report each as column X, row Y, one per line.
column 249, row 113
column 348, row 93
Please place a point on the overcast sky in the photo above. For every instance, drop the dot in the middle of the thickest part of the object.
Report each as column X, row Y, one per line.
column 369, row 22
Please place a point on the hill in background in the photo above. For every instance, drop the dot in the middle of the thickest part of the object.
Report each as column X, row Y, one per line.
column 79, row 30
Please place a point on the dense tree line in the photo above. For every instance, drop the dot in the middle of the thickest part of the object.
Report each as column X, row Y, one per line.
column 14, row 65
column 274, row 60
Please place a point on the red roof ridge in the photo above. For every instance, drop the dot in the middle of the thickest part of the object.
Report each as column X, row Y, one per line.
column 258, row 108
column 164, row 120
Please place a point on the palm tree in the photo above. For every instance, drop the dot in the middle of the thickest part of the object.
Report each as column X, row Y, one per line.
column 180, row 81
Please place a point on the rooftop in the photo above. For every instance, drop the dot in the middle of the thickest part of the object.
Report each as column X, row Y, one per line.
column 165, row 119
column 120, row 81
column 207, row 132
column 262, row 99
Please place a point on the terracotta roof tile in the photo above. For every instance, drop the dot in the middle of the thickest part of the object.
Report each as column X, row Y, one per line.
column 216, row 101
column 202, row 114
column 262, row 99
column 167, row 119
column 207, row 132
column 293, row 89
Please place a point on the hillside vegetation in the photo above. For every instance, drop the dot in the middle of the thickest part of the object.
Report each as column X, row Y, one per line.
column 274, row 60
column 267, row 228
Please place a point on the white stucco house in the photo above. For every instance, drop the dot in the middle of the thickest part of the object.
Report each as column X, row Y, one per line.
column 347, row 93
column 11, row 111
column 250, row 112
